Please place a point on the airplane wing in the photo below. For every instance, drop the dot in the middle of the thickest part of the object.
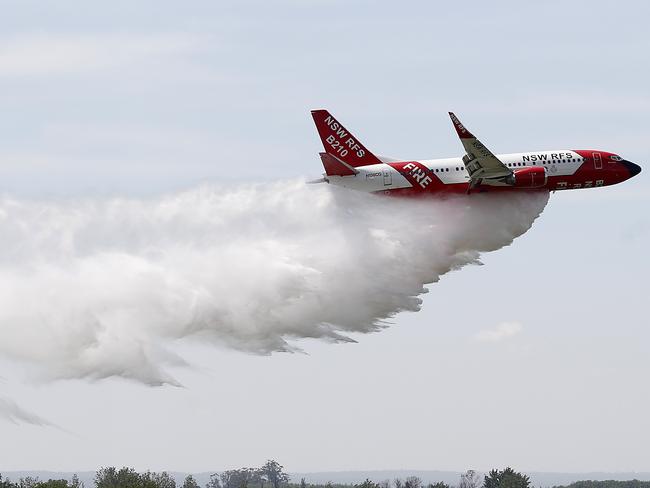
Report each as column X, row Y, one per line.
column 479, row 160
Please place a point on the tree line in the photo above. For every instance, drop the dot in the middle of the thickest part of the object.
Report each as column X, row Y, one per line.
column 272, row 475
column 609, row 484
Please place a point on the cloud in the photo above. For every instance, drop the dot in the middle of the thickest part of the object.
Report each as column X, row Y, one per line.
column 63, row 55
column 503, row 331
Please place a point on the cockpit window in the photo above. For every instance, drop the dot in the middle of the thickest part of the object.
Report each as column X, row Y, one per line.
column 614, row 157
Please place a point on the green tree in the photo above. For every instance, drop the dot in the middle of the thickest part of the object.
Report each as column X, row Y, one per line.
column 110, row 477
column 214, row 481
column 162, row 480
column 106, row 477
column 413, row 482
column 506, row 478
column 75, row 483
column 439, row 484
column 469, row 479
column 228, row 479
column 238, row 478
column 274, row 473
column 367, row 484
column 27, row 482
column 609, row 484
column 257, row 477
column 190, row 482
column 4, row 483
column 52, row 484
column 146, row 480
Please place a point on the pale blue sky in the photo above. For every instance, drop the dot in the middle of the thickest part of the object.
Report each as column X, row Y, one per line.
column 142, row 98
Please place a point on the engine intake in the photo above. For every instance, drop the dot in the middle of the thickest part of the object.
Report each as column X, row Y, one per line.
column 533, row 177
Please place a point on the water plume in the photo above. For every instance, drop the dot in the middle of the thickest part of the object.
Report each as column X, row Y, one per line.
column 94, row 289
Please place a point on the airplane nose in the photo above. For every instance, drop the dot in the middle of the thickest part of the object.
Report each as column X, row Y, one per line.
column 634, row 169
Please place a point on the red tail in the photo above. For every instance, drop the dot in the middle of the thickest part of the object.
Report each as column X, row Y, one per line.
column 338, row 141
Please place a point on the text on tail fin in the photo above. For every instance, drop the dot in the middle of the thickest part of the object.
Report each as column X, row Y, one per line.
column 338, row 141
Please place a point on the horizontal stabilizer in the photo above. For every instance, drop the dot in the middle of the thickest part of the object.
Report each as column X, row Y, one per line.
column 317, row 181
column 335, row 167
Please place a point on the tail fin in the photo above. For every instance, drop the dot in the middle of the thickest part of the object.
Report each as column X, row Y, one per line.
column 338, row 141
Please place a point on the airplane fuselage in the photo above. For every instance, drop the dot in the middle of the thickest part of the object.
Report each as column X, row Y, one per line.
column 350, row 164
column 563, row 170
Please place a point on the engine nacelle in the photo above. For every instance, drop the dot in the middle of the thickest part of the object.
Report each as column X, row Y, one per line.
column 533, row 177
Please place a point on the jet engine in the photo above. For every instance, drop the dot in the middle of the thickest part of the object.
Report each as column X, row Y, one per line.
column 533, row 177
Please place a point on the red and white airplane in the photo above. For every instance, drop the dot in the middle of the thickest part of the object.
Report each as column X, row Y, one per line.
column 349, row 164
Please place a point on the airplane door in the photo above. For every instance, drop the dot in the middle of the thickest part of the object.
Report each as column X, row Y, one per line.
column 598, row 161
column 388, row 178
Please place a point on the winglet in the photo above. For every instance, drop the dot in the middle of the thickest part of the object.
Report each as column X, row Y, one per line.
column 463, row 133
column 338, row 141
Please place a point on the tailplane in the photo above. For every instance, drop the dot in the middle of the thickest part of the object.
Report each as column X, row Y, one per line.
column 335, row 167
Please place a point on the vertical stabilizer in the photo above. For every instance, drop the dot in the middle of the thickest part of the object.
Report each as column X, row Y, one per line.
column 338, row 141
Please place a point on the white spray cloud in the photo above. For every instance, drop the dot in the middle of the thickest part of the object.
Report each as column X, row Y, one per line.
column 96, row 289
column 499, row 333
